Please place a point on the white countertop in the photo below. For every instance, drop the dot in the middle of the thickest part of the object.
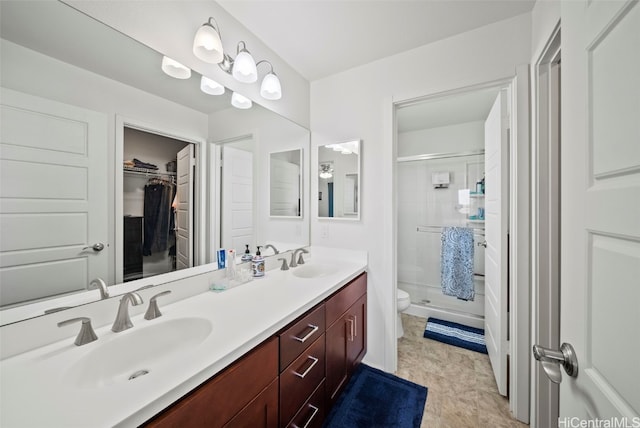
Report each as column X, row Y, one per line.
column 40, row 387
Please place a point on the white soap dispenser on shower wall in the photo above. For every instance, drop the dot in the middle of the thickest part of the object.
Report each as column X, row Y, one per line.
column 440, row 180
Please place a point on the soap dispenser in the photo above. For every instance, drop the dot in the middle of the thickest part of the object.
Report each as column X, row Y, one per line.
column 257, row 265
column 247, row 257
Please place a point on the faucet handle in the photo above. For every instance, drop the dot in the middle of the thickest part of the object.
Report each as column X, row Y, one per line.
column 86, row 335
column 284, row 265
column 153, row 311
column 300, row 259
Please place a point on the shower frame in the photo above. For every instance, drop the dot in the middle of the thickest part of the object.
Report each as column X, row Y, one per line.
column 427, row 309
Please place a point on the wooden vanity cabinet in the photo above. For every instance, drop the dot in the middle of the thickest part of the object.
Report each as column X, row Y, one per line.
column 346, row 344
column 247, row 390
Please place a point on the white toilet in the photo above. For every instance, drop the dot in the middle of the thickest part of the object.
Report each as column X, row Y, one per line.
column 403, row 303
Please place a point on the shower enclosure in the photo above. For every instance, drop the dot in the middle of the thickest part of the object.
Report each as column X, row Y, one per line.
column 436, row 191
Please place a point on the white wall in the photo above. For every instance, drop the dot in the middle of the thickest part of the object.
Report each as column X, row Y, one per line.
column 357, row 104
column 30, row 72
column 169, row 27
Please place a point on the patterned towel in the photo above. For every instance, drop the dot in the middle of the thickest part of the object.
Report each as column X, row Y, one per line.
column 457, row 262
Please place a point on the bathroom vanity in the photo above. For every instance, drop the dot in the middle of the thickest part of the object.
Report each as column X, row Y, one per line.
column 291, row 379
column 276, row 351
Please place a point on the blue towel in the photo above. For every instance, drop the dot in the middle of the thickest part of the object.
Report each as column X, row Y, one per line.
column 456, row 262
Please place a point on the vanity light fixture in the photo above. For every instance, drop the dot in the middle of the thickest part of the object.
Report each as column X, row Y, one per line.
column 244, row 66
column 345, row 148
column 207, row 46
column 270, row 88
column 174, row 69
column 326, row 170
column 207, row 43
column 240, row 101
column 211, row 87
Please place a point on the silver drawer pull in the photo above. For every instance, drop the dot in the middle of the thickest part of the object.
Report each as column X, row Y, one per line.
column 352, row 329
column 306, row 372
column 314, row 328
column 313, row 415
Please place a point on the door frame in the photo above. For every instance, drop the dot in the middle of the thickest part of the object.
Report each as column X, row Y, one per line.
column 122, row 122
column 545, row 255
column 519, row 227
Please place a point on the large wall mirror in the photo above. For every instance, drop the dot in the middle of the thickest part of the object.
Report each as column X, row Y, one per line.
column 115, row 123
column 285, row 183
column 339, row 180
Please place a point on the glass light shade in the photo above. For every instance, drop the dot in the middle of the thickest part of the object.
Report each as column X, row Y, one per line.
column 326, row 175
column 211, row 87
column 174, row 69
column 270, row 88
column 207, row 45
column 244, row 68
column 240, row 101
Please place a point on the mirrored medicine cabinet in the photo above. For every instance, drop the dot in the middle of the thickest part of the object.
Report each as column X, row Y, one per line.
column 339, row 180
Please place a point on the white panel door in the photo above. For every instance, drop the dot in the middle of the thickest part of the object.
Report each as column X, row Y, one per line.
column 53, row 197
column 184, row 211
column 237, row 199
column 496, row 220
column 600, row 210
column 284, row 188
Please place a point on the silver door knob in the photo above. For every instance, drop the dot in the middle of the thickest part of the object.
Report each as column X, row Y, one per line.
column 551, row 361
column 482, row 244
column 95, row 247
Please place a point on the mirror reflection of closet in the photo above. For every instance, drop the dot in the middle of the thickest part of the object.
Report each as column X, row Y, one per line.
column 157, row 204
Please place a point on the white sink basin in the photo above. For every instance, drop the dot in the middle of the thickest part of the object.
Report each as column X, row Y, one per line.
column 313, row 270
column 136, row 352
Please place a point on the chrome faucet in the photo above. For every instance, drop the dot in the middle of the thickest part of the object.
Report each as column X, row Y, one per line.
column 275, row 250
column 123, row 321
column 100, row 285
column 300, row 261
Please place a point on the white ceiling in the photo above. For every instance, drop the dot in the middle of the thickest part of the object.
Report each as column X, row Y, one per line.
column 448, row 110
column 323, row 37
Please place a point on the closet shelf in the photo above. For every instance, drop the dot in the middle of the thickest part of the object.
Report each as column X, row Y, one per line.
column 147, row 172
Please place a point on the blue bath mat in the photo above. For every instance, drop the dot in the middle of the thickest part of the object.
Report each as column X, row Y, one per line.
column 456, row 334
column 373, row 398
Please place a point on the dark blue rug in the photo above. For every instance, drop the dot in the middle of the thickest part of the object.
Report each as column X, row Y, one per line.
column 456, row 334
column 375, row 399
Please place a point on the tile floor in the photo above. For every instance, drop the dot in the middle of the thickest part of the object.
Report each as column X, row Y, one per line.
column 462, row 389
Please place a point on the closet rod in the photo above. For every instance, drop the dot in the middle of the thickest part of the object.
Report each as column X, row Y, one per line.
column 432, row 156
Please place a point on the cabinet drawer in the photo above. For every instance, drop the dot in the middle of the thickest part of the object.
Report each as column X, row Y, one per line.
column 300, row 379
column 300, row 335
column 218, row 400
column 313, row 412
column 343, row 299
